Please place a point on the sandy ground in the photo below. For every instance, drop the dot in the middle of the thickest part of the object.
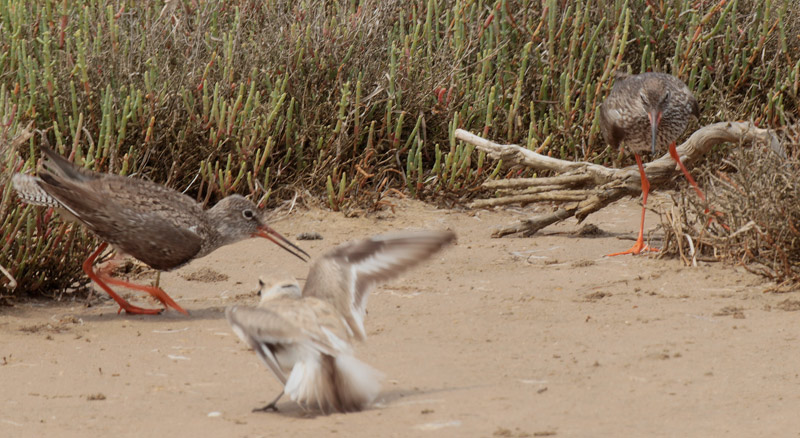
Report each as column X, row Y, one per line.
column 514, row 337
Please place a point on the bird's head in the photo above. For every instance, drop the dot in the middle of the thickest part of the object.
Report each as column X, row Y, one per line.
column 655, row 99
column 270, row 288
column 238, row 218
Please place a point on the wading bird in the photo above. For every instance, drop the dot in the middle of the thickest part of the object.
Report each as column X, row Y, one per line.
column 158, row 226
column 647, row 113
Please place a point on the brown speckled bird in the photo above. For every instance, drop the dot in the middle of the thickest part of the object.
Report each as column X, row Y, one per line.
column 647, row 113
column 158, row 226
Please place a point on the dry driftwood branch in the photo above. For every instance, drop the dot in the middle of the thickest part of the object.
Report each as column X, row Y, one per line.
column 553, row 195
column 563, row 180
column 589, row 187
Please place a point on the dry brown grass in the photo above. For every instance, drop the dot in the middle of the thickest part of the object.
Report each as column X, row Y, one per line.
column 752, row 216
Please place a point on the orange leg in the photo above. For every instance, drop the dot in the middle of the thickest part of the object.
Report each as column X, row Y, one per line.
column 674, row 153
column 639, row 246
column 94, row 276
column 103, row 280
column 155, row 292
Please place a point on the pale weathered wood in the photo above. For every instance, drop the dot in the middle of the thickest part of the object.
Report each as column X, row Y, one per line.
column 518, row 183
column 527, row 191
column 556, row 195
column 601, row 185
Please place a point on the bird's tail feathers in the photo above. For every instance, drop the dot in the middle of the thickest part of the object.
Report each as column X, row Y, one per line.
column 358, row 384
column 340, row 384
column 31, row 192
column 308, row 386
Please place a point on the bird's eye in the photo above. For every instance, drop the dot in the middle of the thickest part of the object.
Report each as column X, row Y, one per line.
column 643, row 97
column 666, row 96
column 248, row 214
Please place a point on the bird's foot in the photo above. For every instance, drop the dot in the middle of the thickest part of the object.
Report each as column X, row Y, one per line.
column 637, row 248
column 166, row 300
column 155, row 292
column 269, row 407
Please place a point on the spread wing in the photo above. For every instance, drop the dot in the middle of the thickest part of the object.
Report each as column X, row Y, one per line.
column 345, row 276
column 302, row 341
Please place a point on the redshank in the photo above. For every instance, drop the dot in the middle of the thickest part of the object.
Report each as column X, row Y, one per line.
column 305, row 337
column 648, row 112
column 160, row 227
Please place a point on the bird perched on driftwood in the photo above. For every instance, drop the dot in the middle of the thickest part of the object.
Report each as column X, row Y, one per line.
column 159, row 226
column 305, row 336
column 648, row 112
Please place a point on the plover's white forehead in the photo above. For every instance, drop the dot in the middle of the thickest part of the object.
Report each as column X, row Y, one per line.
column 270, row 287
column 268, row 281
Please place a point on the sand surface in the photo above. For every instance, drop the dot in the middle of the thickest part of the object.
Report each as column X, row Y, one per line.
column 513, row 337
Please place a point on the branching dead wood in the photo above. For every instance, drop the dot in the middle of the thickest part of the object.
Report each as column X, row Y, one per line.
column 587, row 187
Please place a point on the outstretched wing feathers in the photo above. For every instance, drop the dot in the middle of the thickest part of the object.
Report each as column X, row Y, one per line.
column 345, row 276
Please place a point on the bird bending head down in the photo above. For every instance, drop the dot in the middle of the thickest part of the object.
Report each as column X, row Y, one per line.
column 655, row 99
column 238, row 218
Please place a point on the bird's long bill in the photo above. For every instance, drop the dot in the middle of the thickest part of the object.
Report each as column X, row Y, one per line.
column 268, row 233
column 655, row 120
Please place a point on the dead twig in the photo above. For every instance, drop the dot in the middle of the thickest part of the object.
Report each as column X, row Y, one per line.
column 590, row 187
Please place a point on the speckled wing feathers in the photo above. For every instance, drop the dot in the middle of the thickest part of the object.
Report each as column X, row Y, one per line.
column 111, row 210
column 612, row 132
column 121, row 210
column 63, row 168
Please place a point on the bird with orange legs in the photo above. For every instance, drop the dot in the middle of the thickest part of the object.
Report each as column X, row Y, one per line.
column 158, row 226
column 647, row 113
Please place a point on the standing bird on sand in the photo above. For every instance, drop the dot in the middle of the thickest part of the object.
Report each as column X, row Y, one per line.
column 304, row 337
column 648, row 112
column 160, row 227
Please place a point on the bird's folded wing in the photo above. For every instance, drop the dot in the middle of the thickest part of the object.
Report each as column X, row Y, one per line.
column 63, row 168
column 610, row 125
column 115, row 215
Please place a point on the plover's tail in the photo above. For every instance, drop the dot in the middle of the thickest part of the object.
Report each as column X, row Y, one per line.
column 29, row 191
column 358, row 384
column 333, row 384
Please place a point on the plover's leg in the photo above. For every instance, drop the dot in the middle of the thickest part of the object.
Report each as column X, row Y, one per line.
column 270, row 407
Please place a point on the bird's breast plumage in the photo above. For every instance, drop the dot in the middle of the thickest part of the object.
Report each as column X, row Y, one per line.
column 624, row 119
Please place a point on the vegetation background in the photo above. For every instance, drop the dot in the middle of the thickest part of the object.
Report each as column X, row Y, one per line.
column 347, row 101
